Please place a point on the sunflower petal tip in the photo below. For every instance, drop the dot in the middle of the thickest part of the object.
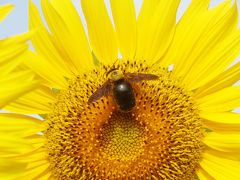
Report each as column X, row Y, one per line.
column 5, row 10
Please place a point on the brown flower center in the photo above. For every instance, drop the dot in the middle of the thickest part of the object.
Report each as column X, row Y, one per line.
column 160, row 138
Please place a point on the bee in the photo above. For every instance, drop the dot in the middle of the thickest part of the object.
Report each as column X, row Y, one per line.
column 119, row 85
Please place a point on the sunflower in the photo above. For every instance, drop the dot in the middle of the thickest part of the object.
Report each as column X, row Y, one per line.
column 182, row 125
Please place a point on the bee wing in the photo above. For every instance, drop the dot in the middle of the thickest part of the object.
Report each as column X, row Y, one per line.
column 104, row 90
column 138, row 77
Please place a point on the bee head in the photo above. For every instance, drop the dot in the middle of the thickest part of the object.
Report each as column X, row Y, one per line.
column 115, row 74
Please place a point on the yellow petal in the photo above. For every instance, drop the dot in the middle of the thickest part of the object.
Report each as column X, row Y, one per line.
column 34, row 145
column 27, row 104
column 200, row 40
column 16, row 85
column 223, row 142
column 12, row 144
column 203, row 175
column 37, row 153
column 10, row 169
column 41, row 38
column 101, row 33
column 5, row 10
column 184, row 26
column 215, row 50
column 11, row 50
column 223, row 100
column 146, row 13
column 10, row 58
column 37, row 140
column 18, row 39
column 69, row 34
column 222, row 122
column 235, row 156
column 223, row 80
column 28, row 168
column 215, row 62
column 126, row 27
column 78, row 41
column 220, row 168
column 45, row 69
column 156, row 26
column 40, row 169
column 47, row 175
column 19, row 125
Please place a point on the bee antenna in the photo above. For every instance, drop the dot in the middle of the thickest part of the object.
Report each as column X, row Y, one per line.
column 114, row 63
column 112, row 68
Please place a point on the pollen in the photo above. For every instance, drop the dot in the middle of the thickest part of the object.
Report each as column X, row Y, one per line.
column 160, row 138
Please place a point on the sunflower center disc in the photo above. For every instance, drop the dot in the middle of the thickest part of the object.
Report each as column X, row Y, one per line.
column 160, row 138
column 122, row 138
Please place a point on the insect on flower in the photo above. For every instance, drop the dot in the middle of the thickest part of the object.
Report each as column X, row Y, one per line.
column 119, row 85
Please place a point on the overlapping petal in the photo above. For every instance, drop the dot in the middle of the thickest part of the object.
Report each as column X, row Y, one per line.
column 226, row 143
column 101, row 33
column 36, row 170
column 224, row 122
column 27, row 104
column 199, row 51
column 173, row 56
column 42, row 67
column 203, row 175
column 155, row 28
column 20, row 145
column 11, row 51
column 19, row 125
column 10, row 58
column 68, row 34
column 220, row 168
column 16, row 85
column 43, row 43
column 221, row 101
column 215, row 61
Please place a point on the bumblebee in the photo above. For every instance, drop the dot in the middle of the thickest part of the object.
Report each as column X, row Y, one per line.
column 119, row 85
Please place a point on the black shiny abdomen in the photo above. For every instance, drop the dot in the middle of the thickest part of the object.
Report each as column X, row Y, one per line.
column 123, row 94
